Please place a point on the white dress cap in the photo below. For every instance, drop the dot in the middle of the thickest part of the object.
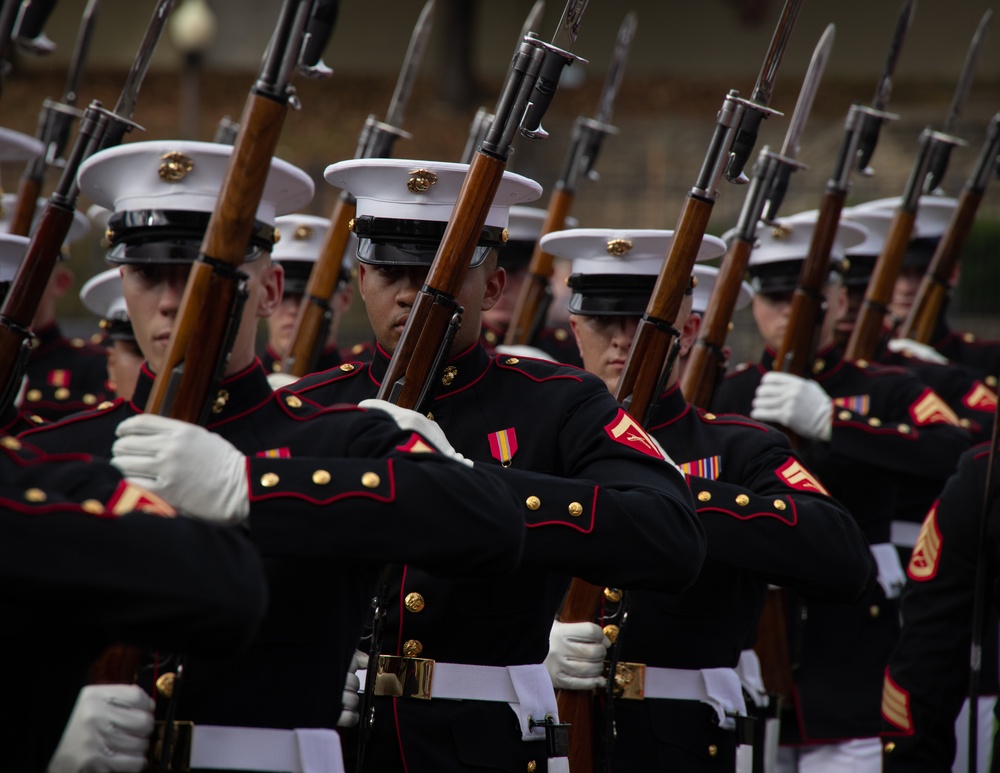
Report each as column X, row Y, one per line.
column 525, row 223
column 934, row 213
column 619, row 251
column 706, row 276
column 789, row 240
column 77, row 229
column 182, row 175
column 15, row 146
column 12, row 250
column 407, row 189
column 102, row 295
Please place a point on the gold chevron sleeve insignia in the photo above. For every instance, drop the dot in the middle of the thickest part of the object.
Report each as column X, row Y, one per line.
column 798, row 477
column 927, row 552
column 128, row 498
column 931, row 409
column 896, row 704
column 980, row 398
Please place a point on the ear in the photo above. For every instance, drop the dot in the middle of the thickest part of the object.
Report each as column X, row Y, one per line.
column 689, row 333
column 573, row 322
column 362, row 270
column 495, row 282
column 272, row 282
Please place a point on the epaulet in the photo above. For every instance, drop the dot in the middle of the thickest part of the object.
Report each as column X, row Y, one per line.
column 732, row 419
column 316, row 380
column 97, row 411
column 540, row 370
column 877, row 369
column 739, row 369
column 301, row 408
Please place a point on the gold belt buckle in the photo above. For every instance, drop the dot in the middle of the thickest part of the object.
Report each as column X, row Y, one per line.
column 630, row 681
column 179, row 754
column 401, row 677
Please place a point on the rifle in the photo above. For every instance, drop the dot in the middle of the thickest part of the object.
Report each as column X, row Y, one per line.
column 926, row 311
column 767, row 189
column 861, row 131
column 928, row 170
column 535, row 297
column 28, row 31
column 208, row 314
column 731, row 144
column 484, row 118
column 315, row 314
column 33, row 274
column 54, row 123
column 526, row 95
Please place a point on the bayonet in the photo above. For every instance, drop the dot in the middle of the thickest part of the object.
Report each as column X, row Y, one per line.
column 83, row 36
column 29, row 32
column 616, row 70
column 411, row 64
column 569, row 24
column 757, row 106
column 884, row 87
column 788, row 158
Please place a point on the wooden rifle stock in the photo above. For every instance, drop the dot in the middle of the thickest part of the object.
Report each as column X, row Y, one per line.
column 923, row 318
column 416, row 353
column 526, row 322
column 576, row 707
column 798, row 344
column 868, row 328
column 706, row 361
column 313, row 320
column 641, row 375
column 24, row 207
column 198, row 337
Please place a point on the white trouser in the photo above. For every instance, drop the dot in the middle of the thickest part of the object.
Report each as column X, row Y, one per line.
column 861, row 755
column 313, row 750
column 984, row 753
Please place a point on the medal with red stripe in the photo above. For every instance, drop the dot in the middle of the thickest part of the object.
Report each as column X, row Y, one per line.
column 503, row 445
column 59, row 378
column 275, row 453
column 709, row 467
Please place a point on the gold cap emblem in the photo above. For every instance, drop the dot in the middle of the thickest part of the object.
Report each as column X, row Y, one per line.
column 421, row 181
column 618, row 247
column 303, row 232
column 781, row 232
column 174, row 166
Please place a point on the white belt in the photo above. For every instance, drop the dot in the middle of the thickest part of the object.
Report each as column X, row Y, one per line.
column 904, row 533
column 305, row 750
column 719, row 688
column 463, row 682
column 891, row 576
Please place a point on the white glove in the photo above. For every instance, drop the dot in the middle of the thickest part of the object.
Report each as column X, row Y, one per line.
column 351, row 703
column 797, row 403
column 108, row 731
column 279, row 380
column 522, row 350
column 907, row 346
column 197, row 471
column 417, row 422
column 576, row 656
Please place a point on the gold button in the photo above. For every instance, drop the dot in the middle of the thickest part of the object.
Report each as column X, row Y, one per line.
column 874, row 611
column 704, row 496
column 269, row 480
column 105, row 405
column 575, row 509
column 779, row 504
column 92, row 506
column 276, row 367
column 533, row 502
column 710, row 416
column 430, row 416
column 613, row 594
column 347, row 367
column 611, row 631
column 890, row 747
column 11, row 443
column 532, row 766
column 165, row 684
column 844, row 415
column 490, row 336
column 293, row 402
column 76, row 343
column 37, row 419
column 904, row 428
column 35, row 495
column 969, row 337
column 321, row 477
column 370, row 480
column 512, row 361
column 861, row 363
column 414, row 602
column 356, row 349
column 875, row 422
column 62, row 393
column 991, row 381
column 965, row 423
column 560, row 334
column 742, row 500
column 412, row 648
column 89, row 399
column 818, row 365
column 713, row 750
column 34, row 394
